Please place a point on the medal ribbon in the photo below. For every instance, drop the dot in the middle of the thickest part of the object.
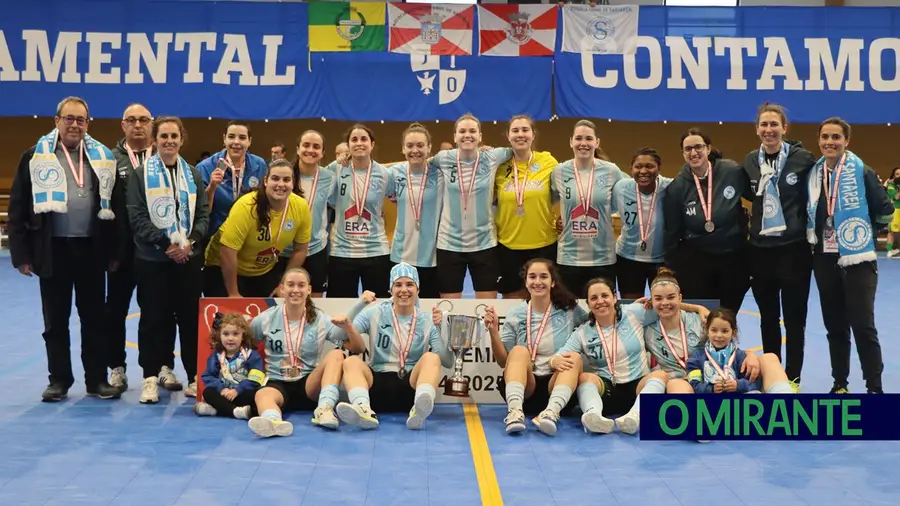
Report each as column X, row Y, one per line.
column 614, row 344
column 464, row 194
column 645, row 231
column 719, row 369
column 831, row 192
column 706, row 203
column 585, row 199
column 79, row 176
column 682, row 361
column 535, row 342
column 290, row 338
column 520, row 191
column 284, row 214
column 133, row 156
column 404, row 348
column 237, row 182
column 312, row 189
column 416, row 203
column 359, row 196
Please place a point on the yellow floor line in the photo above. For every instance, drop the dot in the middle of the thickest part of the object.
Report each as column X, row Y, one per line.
column 759, row 348
column 134, row 345
column 481, row 456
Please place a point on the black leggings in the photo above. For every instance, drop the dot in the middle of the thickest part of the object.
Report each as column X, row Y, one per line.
column 719, row 276
column 345, row 274
column 223, row 406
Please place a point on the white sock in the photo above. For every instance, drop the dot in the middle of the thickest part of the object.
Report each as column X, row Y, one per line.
column 515, row 395
column 559, row 397
column 781, row 387
column 653, row 386
column 425, row 389
column 589, row 398
column 242, row 413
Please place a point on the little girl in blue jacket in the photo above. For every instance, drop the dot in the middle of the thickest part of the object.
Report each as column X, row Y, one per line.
column 717, row 367
column 233, row 372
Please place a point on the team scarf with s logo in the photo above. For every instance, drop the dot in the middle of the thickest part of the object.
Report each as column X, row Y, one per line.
column 49, row 188
column 853, row 230
column 772, row 223
column 161, row 192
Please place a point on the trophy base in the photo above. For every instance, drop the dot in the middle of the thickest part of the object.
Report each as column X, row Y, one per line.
column 456, row 388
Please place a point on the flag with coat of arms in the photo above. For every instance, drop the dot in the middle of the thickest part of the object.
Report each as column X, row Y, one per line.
column 517, row 30
column 431, row 29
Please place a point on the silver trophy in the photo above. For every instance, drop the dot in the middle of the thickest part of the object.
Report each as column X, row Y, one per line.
column 462, row 333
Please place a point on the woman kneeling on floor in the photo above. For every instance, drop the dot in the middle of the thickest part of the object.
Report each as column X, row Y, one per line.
column 297, row 368
column 405, row 357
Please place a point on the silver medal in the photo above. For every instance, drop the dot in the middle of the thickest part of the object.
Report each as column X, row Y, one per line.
column 401, row 373
column 80, row 192
column 643, row 245
column 829, row 221
column 709, row 227
column 520, row 211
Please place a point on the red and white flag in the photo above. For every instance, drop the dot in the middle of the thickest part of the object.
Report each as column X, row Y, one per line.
column 431, row 29
column 517, row 30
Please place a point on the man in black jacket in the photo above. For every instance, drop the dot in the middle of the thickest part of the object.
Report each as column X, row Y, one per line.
column 61, row 228
column 130, row 153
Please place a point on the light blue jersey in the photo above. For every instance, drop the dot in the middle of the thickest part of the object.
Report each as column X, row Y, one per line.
column 559, row 327
column 319, row 337
column 665, row 357
column 472, row 229
column 416, row 245
column 587, row 239
column 629, row 243
column 631, row 360
column 324, row 187
column 377, row 321
column 360, row 234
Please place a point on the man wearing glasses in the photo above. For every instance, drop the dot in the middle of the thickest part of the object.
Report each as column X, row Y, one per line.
column 61, row 228
column 131, row 152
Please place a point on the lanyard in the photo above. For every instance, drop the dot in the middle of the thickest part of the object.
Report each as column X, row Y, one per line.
column 520, row 191
column 290, row 339
column 465, row 194
column 682, row 361
column 359, row 196
column 416, row 203
column 585, row 198
column 705, row 204
column 133, row 156
column 534, row 343
column 312, row 189
column 237, row 181
column 287, row 209
column 79, row 175
column 645, row 231
column 831, row 190
column 614, row 344
column 404, row 348
column 719, row 369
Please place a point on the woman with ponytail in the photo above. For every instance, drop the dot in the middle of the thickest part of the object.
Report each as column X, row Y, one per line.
column 611, row 343
column 533, row 332
column 298, row 369
column 241, row 257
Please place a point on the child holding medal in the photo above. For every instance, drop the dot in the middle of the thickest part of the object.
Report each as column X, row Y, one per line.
column 233, row 372
column 299, row 367
column 717, row 367
column 532, row 333
column 406, row 353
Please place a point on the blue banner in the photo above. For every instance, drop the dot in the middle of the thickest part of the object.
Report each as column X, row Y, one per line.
column 720, row 64
column 769, row 416
column 396, row 87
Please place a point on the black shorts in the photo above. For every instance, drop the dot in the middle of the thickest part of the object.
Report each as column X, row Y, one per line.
column 539, row 399
column 428, row 282
column 294, row 393
column 452, row 266
column 576, row 278
column 633, row 277
column 248, row 286
column 511, row 262
column 391, row 393
column 317, row 267
column 618, row 399
column 345, row 275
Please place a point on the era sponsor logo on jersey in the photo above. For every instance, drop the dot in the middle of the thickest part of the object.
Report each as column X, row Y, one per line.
column 356, row 224
column 448, row 82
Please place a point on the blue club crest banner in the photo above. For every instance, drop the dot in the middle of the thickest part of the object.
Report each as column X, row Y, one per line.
column 250, row 60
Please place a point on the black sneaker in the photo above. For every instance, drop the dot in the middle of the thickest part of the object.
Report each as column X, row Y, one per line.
column 54, row 392
column 875, row 391
column 104, row 390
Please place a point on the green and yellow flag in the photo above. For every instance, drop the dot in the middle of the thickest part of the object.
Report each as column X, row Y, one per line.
column 346, row 26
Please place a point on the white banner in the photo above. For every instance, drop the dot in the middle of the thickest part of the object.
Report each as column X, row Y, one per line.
column 601, row 29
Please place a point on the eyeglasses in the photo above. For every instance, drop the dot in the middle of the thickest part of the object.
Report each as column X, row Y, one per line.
column 131, row 120
column 696, row 147
column 81, row 120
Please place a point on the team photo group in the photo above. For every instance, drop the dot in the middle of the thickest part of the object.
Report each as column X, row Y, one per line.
column 104, row 219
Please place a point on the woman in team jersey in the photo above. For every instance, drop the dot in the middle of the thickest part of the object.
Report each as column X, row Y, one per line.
column 533, row 331
column 241, row 257
column 639, row 249
column 706, row 226
column 303, row 367
column 467, row 237
column 526, row 226
column 359, row 250
column 584, row 184
column 315, row 185
column 419, row 193
column 612, row 345
column 230, row 173
column 406, row 353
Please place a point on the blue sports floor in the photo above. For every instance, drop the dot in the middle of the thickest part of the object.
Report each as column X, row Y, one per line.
column 90, row 452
